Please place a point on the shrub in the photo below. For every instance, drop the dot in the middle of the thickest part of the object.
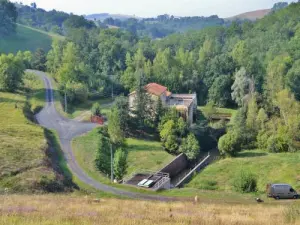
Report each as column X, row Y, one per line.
column 229, row 144
column 76, row 92
column 245, row 182
column 190, row 147
column 278, row 144
column 96, row 109
column 262, row 140
column 171, row 144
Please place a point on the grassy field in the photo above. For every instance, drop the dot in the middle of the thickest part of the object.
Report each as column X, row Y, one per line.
column 143, row 155
column 268, row 168
column 27, row 39
column 231, row 112
column 35, row 91
column 23, row 160
column 71, row 210
column 83, row 109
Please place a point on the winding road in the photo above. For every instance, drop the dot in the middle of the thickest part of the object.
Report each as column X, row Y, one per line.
column 67, row 130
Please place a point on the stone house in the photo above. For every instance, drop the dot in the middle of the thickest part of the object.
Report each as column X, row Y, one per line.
column 186, row 104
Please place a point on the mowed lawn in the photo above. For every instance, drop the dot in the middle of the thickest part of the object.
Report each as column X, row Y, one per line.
column 143, row 155
column 26, row 39
column 22, row 144
column 267, row 168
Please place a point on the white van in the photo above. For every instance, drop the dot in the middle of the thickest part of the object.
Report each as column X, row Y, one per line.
column 279, row 191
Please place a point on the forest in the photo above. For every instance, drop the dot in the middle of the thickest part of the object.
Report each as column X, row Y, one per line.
column 57, row 22
column 251, row 66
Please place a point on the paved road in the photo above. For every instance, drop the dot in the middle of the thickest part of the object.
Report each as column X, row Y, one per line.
column 67, row 130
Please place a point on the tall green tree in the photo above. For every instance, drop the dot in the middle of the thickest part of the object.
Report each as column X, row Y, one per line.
column 143, row 107
column 252, row 114
column 8, row 15
column 103, row 157
column 122, row 106
column 220, row 91
column 120, row 163
column 190, row 147
column 54, row 57
column 115, row 130
column 276, row 72
column 39, row 60
column 240, row 87
column 293, row 79
column 11, row 72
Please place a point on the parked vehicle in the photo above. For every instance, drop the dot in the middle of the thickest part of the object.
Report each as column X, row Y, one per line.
column 281, row 191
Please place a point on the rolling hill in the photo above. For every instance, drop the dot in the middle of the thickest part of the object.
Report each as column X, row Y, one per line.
column 253, row 15
column 26, row 39
column 103, row 16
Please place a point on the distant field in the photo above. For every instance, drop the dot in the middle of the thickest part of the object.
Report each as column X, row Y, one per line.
column 22, row 143
column 254, row 15
column 268, row 168
column 71, row 210
column 26, row 39
column 143, row 155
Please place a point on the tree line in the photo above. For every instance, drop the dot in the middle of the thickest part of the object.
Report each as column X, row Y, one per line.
column 246, row 65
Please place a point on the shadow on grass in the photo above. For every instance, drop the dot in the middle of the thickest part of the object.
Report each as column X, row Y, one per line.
column 10, row 100
column 64, row 177
column 251, row 154
column 143, row 147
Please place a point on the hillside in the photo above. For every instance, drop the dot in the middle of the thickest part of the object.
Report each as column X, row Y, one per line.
column 103, row 16
column 26, row 38
column 25, row 160
column 220, row 175
column 253, row 15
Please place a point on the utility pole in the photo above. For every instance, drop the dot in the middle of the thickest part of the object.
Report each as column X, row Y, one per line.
column 66, row 103
column 112, row 90
column 112, row 86
column 111, row 163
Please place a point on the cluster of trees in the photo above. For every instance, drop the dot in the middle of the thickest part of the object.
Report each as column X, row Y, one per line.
column 12, row 68
column 11, row 72
column 176, row 137
column 8, row 15
column 164, row 25
column 50, row 21
column 112, row 140
column 91, row 58
column 242, row 65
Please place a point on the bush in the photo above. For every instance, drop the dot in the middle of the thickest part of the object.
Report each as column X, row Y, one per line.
column 278, row 144
column 76, row 92
column 229, row 144
column 262, row 140
column 245, row 182
column 171, row 144
column 190, row 147
column 96, row 109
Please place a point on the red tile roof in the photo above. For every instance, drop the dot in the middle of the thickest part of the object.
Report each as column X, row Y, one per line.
column 155, row 89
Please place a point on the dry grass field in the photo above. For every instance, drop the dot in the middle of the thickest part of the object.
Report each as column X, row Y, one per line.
column 70, row 209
